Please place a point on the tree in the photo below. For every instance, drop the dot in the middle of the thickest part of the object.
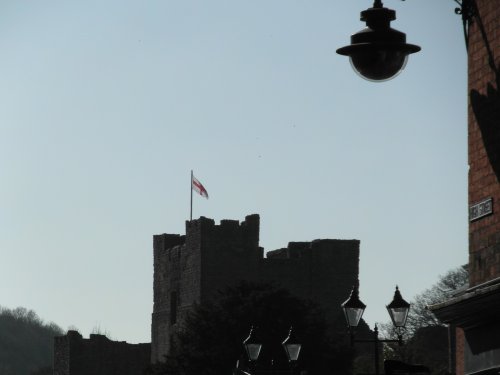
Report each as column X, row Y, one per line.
column 426, row 337
column 26, row 342
column 447, row 285
column 45, row 370
column 210, row 341
column 429, row 346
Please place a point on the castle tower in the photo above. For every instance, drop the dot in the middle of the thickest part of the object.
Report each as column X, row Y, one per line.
column 189, row 269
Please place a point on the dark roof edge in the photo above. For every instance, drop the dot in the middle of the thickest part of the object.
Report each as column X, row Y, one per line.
column 469, row 308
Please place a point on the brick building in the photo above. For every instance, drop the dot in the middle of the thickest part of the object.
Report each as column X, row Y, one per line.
column 474, row 312
column 190, row 268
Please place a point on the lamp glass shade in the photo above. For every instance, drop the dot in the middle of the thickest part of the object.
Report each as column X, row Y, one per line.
column 399, row 316
column 380, row 65
column 252, row 345
column 253, row 351
column 398, row 310
column 292, row 346
column 353, row 308
column 293, row 351
column 353, row 316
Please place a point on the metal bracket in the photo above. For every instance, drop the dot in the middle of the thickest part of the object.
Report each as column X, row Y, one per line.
column 467, row 10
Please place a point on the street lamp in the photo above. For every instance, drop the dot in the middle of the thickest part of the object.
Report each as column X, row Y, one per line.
column 252, row 346
column 378, row 52
column 398, row 309
column 292, row 347
column 353, row 308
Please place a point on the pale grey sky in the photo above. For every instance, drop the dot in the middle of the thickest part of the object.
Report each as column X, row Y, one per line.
column 106, row 106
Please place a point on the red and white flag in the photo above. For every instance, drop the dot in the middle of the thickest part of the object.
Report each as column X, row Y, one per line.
column 198, row 187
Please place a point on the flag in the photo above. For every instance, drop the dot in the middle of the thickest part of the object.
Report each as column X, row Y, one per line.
column 199, row 188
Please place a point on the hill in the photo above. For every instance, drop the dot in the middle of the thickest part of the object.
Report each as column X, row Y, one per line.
column 26, row 342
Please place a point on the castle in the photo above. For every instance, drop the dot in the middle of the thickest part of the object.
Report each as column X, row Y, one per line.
column 190, row 268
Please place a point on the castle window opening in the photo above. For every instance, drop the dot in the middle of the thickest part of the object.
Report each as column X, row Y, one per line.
column 173, row 307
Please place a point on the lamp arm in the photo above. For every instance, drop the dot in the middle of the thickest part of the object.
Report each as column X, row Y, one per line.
column 399, row 340
column 466, row 8
column 378, row 340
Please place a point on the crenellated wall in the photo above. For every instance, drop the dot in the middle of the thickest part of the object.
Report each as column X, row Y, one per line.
column 98, row 355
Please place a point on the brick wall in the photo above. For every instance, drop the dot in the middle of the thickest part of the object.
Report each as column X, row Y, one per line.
column 484, row 139
column 460, row 343
column 484, row 148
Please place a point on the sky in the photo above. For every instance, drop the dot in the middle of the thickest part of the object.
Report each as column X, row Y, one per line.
column 106, row 107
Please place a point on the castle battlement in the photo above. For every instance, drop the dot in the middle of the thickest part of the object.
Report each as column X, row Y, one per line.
column 225, row 224
column 296, row 250
column 247, row 231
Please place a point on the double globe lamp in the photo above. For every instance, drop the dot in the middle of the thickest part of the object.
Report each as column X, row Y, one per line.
column 398, row 310
column 253, row 346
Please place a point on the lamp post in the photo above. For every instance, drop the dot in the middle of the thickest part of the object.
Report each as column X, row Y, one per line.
column 253, row 346
column 398, row 311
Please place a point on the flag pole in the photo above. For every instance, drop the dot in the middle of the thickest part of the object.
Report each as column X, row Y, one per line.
column 191, row 187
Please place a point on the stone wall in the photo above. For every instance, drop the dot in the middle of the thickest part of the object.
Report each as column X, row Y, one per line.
column 190, row 269
column 74, row 355
column 168, row 270
column 322, row 270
